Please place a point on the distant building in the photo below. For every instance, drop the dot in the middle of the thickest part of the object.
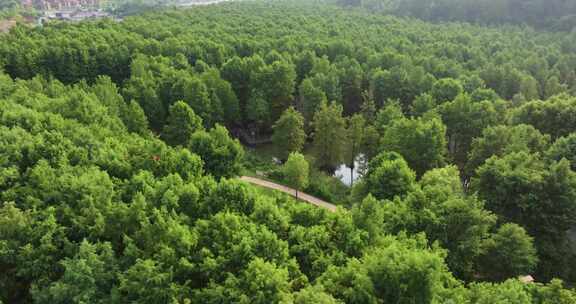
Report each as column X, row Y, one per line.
column 27, row 3
column 73, row 15
column 51, row 5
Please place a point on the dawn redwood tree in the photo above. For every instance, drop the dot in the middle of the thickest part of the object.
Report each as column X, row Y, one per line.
column 296, row 171
column 222, row 155
column 446, row 90
column 329, row 136
column 501, row 140
column 399, row 271
column 564, row 147
column 381, row 87
column 327, row 81
column 388, row 176
column 304, row 64
column 195, row 93
column 289, row 135
column 182, row 124
column 223, row 92
column 555, row 116
column 443, row 206
column 311, row 97
column 134, row 118
column 553, row 87
column 88, row 277
column 143, row 91
column 538, row 205
column 422, row 104
column 370, row 144
column 354, row 140
column 523, row 189
column 148, row 281
column 387, row 115
column 108, row 94
column 465, row 121
column 422, row 142
column 368, row 107
column 276, row 84
column 351, row 79
column 261, row 282
column 509, row 253
column 238, row 73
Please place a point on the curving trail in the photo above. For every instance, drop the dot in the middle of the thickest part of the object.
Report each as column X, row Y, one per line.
column 301, row 196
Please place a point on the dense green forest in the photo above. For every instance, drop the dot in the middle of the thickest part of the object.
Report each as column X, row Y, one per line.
column 119, row 159
column 557, row 15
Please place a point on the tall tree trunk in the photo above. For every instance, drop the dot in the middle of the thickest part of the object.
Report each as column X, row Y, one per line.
column 351, row 176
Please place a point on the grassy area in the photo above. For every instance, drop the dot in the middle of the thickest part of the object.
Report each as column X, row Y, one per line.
column 268, row 192
column 259, row 162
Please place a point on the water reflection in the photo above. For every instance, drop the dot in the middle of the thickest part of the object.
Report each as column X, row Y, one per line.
column 344, row 173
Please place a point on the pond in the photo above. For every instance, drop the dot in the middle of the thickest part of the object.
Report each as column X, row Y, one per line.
column 344, row 174
column 268, row 152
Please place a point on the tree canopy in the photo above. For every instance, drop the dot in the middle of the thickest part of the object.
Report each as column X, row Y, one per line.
column 120, row 152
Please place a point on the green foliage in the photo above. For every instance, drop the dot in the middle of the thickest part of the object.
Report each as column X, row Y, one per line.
column 96, row 207
column 422, row 104
column 143, row 91
column 289, row 135
column 195, row 93
column 259, row 110
column 399, row 272
column 441, row 207
column 182, row 124
column 527, row 172
column 401, row 83
column 388, row 176
column 147, row 281
column 275, row 82
column 555, row 14
column 511, row 291
column 134, row 119
column 231, row 195
column 554, row 293
column 509, row 252
column 542, row 200
column 311, row 97
column 556, row 116
column 327, row 188
column 261, row 282
column 90, row 276
column 446, row 90
column 314, row 295
column 222, row 91
column 296, row 171
column 564, row 147
column 387, row 115
column 422, row 142
column 221, row 154
column 465, row 120
column 329, row 136
column 502, row 140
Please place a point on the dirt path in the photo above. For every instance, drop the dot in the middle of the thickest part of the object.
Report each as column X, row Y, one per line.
column 301, row 196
